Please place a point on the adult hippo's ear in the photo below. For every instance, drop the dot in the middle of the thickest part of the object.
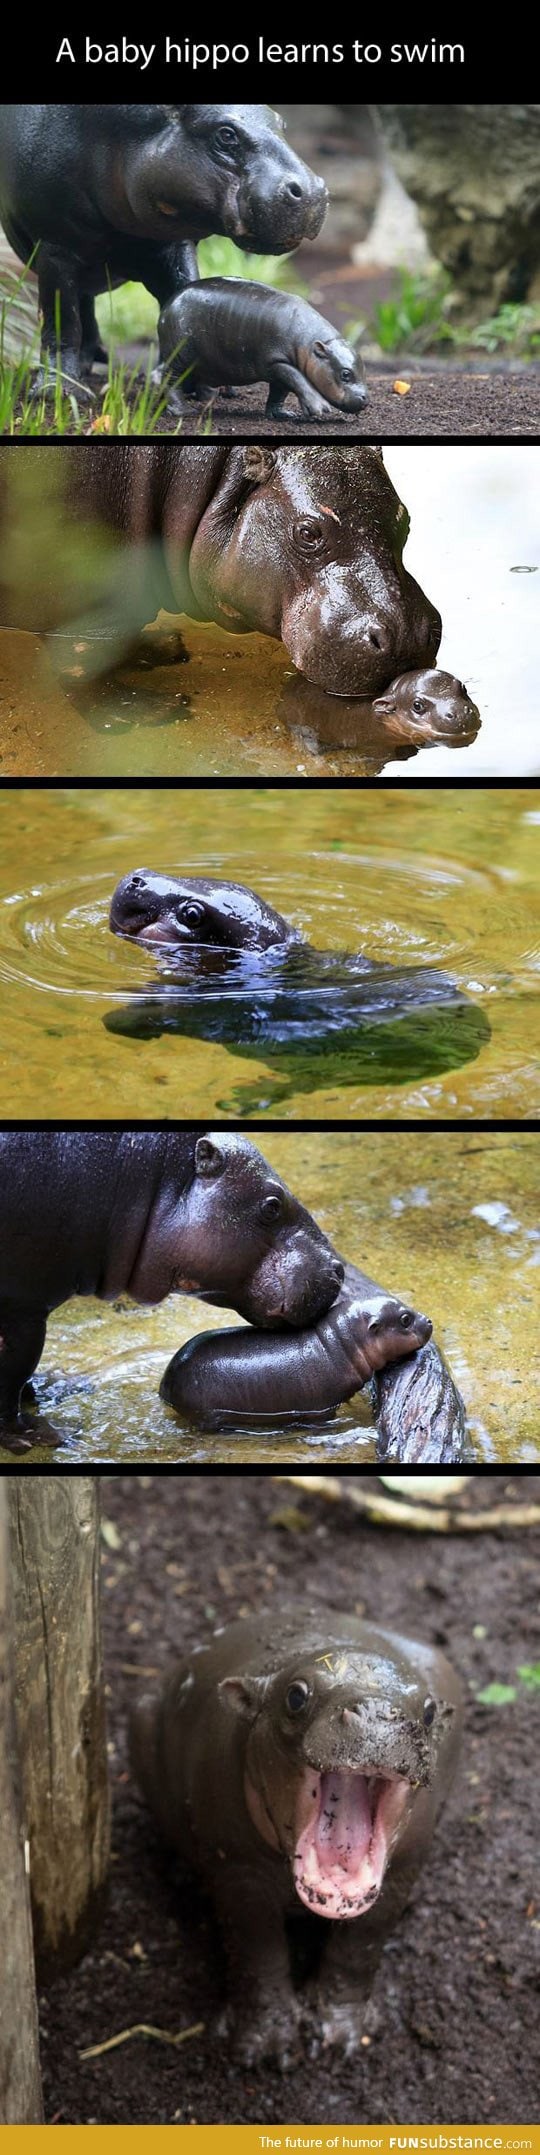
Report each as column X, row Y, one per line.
column 258, row 464
column 243, row 1694
column 209, row 1158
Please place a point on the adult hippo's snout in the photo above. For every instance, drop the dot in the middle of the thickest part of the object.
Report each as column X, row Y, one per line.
column 279, row 201
column 350, row 640
column 294, row 1284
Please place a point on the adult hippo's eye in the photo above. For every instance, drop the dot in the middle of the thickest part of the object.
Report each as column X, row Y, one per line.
column 309, row 533
column 272, row 1207
column 297, row 1697
column 226, row 137
column 430, row 1709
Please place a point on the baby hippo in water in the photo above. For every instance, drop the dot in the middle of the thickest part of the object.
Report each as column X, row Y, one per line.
column 225, row 331
column 430, row 706
column 223, row 1378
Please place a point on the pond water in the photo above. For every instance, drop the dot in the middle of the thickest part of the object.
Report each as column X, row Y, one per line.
column 447, row 880
column 238, row 708
column 450, row 1220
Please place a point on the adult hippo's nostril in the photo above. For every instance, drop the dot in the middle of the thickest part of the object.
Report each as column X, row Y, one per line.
column 294, row 190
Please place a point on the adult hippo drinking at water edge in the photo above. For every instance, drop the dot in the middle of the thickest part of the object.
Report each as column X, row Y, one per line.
column 97, row 194
column 147, row 1214
column 301, row 544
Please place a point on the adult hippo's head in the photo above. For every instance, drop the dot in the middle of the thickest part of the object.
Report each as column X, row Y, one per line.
column 306, row 544
column 247, row 1244
column 172, row 913
column 221, row 168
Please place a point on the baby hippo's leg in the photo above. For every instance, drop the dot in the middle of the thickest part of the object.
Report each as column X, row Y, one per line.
column 338, row 2004
column 285, row 378
column 263, row 2014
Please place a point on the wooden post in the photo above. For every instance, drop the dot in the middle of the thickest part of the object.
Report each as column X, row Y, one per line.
column 59, row 1706
column 20, row 2081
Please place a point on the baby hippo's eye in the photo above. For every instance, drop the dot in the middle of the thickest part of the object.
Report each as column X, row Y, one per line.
column 348, row 374
column 297, row 1696
column 430, row 1709
column 406, row 1319
column 419, row 706
column 193, row 914
column 308, row 532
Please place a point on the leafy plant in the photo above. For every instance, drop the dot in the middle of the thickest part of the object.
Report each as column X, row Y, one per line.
column 414, row 315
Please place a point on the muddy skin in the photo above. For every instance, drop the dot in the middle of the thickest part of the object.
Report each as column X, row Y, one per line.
column 300, row 1762
column 148, row 1214
column 420, row 1415
column 302, row 544
column 233, row 970
column 114, row 192
column 430, row 704
column 225, row 331
column 224, row 1379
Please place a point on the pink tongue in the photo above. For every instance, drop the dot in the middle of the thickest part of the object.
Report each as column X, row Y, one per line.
column 344, row 1825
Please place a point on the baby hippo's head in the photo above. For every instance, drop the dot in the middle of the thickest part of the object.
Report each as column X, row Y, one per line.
column 169, row 911
column 391, row 1331
column 334, row 368
column 429, row 705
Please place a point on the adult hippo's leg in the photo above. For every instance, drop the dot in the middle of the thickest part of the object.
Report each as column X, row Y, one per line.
column 92, row 350
column 22, row 1339
column 285, row 380
column 60, row 310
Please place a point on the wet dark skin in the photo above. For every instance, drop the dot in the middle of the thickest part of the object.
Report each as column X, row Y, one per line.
column 114, row 192
column 302, row 544
column 226, row 330
column 149, row 1214
column 299, row 1763
column 222, row 1379
column 234, row 970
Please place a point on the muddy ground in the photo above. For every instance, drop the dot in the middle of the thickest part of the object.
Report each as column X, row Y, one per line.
column 457, row 1991
column 449, row 402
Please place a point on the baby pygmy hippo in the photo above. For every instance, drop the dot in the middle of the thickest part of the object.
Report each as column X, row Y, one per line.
column 220, row 1379
column 300, row 1761
column 225, row 330
column 429, row 705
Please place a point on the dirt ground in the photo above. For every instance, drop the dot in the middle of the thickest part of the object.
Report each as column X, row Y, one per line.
column 447, row 401
column 457, row 1991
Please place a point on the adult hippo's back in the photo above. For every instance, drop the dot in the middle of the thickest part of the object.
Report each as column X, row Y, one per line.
column 303, row 544
column 110, row 192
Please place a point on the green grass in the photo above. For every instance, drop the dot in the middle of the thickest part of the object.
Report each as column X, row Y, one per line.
column 417, row 317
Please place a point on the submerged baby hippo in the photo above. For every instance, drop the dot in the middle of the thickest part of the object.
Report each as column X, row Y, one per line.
column 431, row 705
column 224, row 1378
column 300, row 1761
column 225, row 331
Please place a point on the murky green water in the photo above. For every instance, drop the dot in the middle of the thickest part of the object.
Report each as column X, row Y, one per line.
column 451, row 1220
column 238, row 708
column 449, row 879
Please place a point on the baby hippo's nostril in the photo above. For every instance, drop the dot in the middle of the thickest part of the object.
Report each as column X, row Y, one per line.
column 294, row 190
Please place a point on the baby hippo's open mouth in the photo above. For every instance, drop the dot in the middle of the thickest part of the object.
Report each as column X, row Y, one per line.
column 342, row 1852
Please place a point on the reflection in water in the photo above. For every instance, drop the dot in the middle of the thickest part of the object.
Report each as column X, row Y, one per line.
column 377, row 734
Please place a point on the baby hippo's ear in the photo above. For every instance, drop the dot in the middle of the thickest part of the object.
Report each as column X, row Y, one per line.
column 243, row 1694
column 209, row 1158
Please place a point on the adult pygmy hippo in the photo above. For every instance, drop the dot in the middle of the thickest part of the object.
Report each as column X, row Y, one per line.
column 300, row 1761
column 109, row 192
column 221, row 1379
column 147, row 1213
column 226, row 330
column 301, row 543
column 430, row 705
